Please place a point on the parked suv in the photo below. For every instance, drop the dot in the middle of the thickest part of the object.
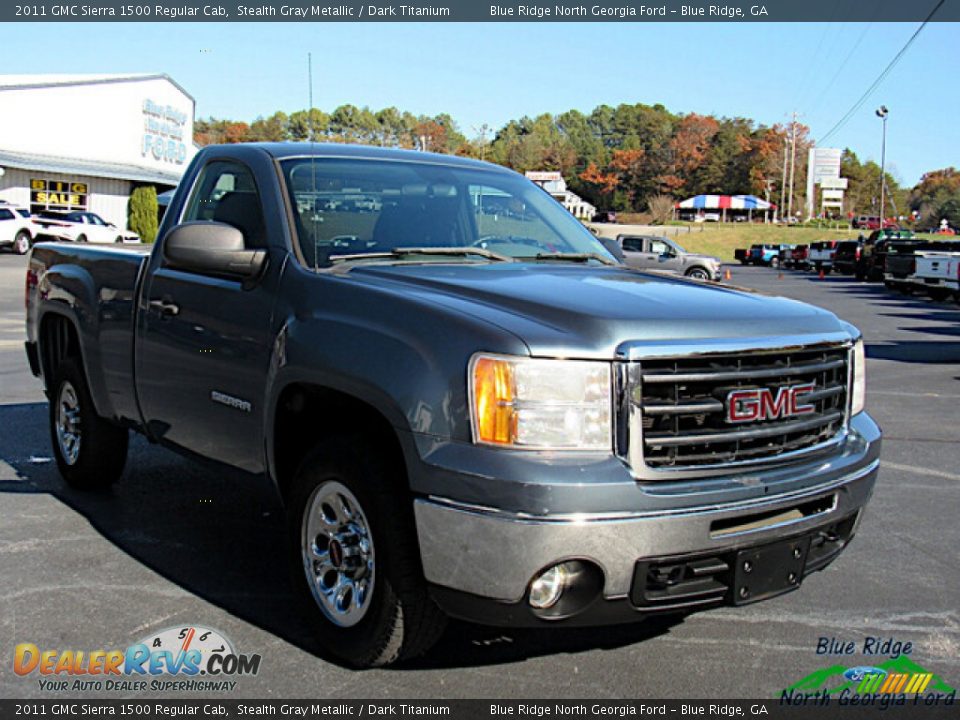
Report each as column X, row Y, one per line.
column 17, row 230
column 649, row 252
column 81, row 226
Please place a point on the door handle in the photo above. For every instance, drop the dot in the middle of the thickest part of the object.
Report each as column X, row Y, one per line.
column 165, row 307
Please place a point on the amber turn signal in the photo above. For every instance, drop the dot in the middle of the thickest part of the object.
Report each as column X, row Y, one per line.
column 494, row 390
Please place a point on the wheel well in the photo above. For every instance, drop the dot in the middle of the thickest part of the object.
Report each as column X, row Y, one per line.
column 307, row 414
column 58, row 341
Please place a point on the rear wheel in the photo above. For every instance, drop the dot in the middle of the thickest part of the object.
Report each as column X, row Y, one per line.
column 90, row 450
column 22, row 242
column 118, row 240
column 775, row 262
column 81, row 238
column 355, row 559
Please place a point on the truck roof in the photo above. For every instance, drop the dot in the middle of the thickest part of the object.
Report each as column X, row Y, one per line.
column 281, row 150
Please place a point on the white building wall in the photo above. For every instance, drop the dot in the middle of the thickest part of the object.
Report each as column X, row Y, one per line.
column 100, row 121
column 106, row 197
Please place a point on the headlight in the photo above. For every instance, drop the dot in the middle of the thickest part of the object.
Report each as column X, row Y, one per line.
column 859, row 392
column 540, row 404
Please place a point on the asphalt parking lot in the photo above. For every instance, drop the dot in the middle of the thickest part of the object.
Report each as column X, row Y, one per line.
column 176, row 544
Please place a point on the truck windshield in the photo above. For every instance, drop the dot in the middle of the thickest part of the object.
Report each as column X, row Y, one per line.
column 346, row 208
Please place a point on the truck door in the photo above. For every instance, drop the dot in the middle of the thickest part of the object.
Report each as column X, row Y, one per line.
column 638, row 255
column 204, row 342
column 665, row 257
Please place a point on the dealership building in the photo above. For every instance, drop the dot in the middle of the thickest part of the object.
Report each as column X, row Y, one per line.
column 554, row 184
column 85, row 142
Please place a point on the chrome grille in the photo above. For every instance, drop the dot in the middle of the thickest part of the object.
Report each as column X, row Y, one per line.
column 683, row 409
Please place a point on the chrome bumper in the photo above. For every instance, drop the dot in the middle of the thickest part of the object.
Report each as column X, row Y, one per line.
column 494, row 554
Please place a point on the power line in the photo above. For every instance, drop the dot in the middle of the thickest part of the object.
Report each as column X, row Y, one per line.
column 836, row 74
column 880, row 78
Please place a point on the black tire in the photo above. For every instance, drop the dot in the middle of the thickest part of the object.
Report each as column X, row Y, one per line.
column 774, row 262
column 698, row 273
column 401, row 620
column 81, row 238
column 22, row 243
column 101, row 446
column 939, row 294
column 119, row 240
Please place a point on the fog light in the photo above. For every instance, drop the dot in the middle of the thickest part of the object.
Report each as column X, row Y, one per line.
column 546, row 588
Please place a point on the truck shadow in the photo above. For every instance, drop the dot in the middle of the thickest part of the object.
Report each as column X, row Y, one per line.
column 929, row 352
column 220, row 536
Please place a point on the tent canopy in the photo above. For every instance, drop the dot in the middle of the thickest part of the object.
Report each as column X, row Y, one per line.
column 725, row 202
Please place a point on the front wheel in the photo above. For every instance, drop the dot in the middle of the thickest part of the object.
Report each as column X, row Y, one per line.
column 698, row 273
column 355, row 559
column 22, row 242
column 90, row 450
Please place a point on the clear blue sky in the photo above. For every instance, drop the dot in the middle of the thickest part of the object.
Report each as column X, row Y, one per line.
column 489, row 73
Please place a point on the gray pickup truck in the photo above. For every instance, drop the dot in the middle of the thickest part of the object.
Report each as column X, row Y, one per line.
column 651, row 252
column 468, row 409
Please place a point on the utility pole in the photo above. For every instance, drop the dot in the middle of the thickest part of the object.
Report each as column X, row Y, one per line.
column 793, row 161
column 882, row 113
column 783, row 182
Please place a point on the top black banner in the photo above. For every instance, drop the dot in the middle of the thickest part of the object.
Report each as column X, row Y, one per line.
column 485, row 11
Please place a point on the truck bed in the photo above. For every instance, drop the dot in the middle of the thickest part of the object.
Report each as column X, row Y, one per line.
column 104, row 277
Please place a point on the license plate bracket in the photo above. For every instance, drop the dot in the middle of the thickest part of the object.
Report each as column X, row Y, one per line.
column 770, row 570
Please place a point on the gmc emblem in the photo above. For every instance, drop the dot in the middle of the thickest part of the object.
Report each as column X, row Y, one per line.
column 765, row 404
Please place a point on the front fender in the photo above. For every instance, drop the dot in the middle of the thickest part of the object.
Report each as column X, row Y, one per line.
column 402, row 356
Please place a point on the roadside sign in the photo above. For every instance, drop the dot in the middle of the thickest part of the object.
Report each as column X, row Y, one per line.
column 837, row 183
column 825, row 163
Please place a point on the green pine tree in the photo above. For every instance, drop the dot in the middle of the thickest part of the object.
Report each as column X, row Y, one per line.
column 142, row 213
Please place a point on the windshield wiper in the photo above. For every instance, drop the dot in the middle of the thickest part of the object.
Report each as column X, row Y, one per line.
column 404, row 252
column 572, row 257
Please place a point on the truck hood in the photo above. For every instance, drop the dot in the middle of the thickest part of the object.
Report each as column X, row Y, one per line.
column 586, row 311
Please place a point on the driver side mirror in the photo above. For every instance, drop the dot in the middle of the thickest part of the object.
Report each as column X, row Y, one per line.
column 212, row 248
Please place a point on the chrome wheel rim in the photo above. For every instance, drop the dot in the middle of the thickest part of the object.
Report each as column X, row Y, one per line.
column 68, row 423
column 22, row 244
column 338, row 554
column 698, row 275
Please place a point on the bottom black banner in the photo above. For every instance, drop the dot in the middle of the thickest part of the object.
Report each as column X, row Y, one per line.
column 785, row 707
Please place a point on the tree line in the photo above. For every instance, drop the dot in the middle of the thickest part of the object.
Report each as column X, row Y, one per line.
column 628, row 157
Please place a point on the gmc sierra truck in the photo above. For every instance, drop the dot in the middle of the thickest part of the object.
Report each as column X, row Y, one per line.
column 467, row 407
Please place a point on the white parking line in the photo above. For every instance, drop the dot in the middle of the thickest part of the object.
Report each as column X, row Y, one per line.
column 920, row 470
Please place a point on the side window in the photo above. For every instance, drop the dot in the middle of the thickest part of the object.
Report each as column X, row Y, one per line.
column 6, row 214
column 226, row 192
column 633, row 244
column 658, row 247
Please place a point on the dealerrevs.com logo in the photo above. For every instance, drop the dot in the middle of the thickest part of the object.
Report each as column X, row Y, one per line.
column 192, row 658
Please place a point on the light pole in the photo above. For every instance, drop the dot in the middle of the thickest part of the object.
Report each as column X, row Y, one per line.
column 882, row 113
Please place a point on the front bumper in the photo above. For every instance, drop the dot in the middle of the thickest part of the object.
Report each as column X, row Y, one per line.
column 472, row 553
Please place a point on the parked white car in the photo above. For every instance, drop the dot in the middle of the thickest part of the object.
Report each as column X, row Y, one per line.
column 81, row 226
column 17, row 229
